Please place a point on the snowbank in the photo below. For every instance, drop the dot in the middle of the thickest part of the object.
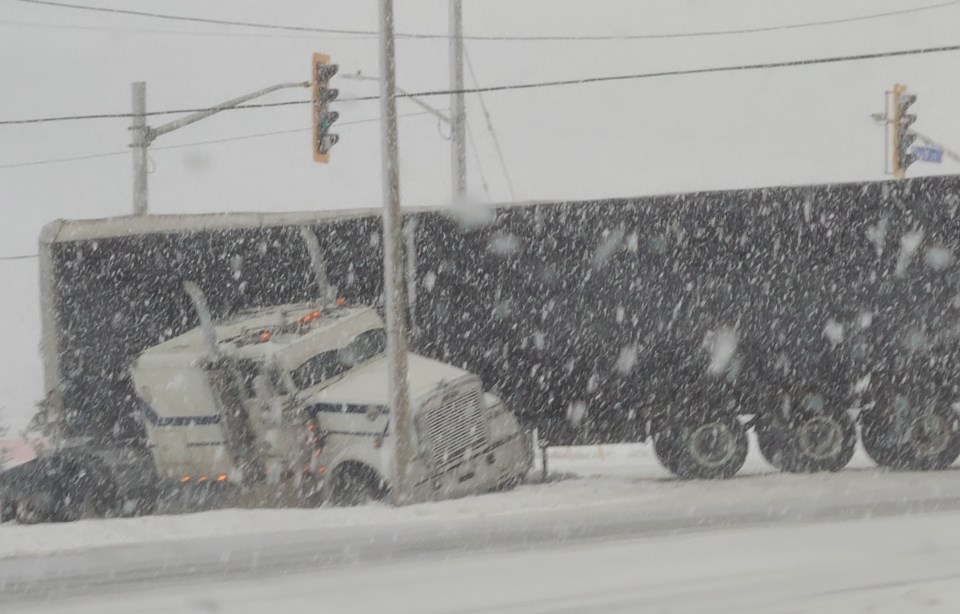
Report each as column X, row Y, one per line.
column 597, row 482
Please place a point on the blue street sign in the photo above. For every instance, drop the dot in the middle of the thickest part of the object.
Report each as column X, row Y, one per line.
column 928, row 154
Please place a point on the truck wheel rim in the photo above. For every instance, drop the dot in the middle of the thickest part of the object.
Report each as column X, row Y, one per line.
column 821, row 437
column 930, row 434
column 712, row 445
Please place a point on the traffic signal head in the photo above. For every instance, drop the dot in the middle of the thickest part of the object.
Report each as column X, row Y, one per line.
column 903, row 137
column 323, row 118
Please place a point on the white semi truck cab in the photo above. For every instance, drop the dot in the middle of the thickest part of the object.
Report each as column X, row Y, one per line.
column 298, row 395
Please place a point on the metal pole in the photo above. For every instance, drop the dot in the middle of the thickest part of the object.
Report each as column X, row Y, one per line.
column 400, row 420
column 139, row 147
column 458, row 140
column 223, row 106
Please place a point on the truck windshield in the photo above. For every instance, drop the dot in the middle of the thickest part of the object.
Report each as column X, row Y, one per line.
column 331, row 364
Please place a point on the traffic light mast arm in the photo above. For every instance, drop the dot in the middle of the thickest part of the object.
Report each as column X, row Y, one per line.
column 414, row 99
column 153, row 133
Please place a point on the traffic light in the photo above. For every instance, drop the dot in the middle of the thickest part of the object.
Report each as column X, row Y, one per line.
column 903, row 138
column 323, row 118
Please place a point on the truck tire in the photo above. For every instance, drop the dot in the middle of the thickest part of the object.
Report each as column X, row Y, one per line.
column 818, row 442
column 30, row 510
column 703, row 447
column 927, row 439
column 355, row 484
column 935, row 439
column 88, row 491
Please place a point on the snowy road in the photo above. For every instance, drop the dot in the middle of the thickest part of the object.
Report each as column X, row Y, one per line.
column 624, row 539
column 881, row 565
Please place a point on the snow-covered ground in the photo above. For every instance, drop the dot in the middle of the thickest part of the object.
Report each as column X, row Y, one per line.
column 891, row 565
column 615, row 535
column 589, row 481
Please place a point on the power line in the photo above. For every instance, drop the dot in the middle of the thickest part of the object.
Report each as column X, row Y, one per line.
column 24, row 257
column 57, row 26
column 243, row 137
column 58, row 160
column 489, row 120
column 535, row 85
column 476, row 155
column 220, row 22
column 709, row 33
column 696, row 71
column 545, row 38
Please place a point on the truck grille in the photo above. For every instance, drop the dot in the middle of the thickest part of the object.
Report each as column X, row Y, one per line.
column 455, row 429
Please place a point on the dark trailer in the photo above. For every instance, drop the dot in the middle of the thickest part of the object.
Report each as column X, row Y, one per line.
column 684, row 318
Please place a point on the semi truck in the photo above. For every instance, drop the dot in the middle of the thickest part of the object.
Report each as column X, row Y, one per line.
column 815, row 315
column 283, row 404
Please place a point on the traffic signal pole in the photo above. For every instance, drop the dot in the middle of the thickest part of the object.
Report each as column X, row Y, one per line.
column 139, row 147
column 401, row 422
column 143, row 135
column 458, row 130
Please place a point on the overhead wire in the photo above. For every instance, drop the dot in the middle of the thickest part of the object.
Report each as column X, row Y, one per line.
column 203, row 33
column 184, row 18
column 489, row 122
column 533, row 85
column 372, row 34
column 23, row 257
column 476, row 156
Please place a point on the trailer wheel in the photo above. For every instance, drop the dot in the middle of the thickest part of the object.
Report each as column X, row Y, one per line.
column 356, row 484
column 818, row 442
column 934, row 439
column 928, row 439
column 703, row 447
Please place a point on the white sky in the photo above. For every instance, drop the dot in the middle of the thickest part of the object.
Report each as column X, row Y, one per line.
column 766, row 127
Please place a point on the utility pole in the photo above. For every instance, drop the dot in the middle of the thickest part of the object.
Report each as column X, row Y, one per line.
column 400, row 419
column 139, row 147
column 458, row 139
column 144, row 135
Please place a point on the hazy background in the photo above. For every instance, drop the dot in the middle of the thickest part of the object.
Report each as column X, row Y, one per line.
column 749, row 128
